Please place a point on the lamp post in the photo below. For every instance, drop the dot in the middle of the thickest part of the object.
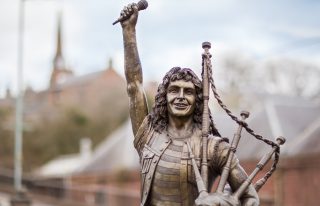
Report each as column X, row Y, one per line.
column 19, row 198
column 19, row 102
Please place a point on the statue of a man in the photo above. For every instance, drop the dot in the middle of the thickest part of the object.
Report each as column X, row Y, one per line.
column 167, row 176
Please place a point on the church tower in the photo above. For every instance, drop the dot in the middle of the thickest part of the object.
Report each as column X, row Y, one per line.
column 60, row 72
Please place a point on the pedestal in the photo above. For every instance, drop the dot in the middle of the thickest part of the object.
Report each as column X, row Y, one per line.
column 20, row 198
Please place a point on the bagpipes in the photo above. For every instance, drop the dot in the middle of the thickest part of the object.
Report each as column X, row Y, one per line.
column 202, row 180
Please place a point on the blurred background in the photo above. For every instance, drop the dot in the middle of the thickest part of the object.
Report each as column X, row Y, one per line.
column 77, row 138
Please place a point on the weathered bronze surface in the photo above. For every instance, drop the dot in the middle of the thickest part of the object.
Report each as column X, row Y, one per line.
column 170, row 140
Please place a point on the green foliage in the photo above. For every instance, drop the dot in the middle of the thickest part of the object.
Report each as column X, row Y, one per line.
column 62, row 135
column 6, row 139
column 122, row 176
column 150, row 101
column 52, row 137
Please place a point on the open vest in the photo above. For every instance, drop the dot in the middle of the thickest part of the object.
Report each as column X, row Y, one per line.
column 152, row 145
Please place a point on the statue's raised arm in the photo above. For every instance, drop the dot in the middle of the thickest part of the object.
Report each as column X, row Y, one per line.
column 133, row 69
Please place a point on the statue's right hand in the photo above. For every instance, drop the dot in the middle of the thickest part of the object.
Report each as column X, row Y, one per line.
column 130, row 14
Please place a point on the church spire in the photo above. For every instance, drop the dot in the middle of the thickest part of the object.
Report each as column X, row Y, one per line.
column 59, row 39
column 58, row 59
column 59, row 72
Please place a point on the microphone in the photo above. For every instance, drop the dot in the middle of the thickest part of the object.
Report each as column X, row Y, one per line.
column 142, row 5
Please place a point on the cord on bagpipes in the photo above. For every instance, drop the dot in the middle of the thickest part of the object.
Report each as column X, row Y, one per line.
column 206, row 62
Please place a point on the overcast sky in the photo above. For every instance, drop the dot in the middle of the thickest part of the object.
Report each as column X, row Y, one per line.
column 169, row 34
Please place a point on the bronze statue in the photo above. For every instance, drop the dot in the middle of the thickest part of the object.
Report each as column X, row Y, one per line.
column 170, row 139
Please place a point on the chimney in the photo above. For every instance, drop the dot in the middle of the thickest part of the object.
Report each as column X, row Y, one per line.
column 85, row 148
column 110, row 64
column 8, row 93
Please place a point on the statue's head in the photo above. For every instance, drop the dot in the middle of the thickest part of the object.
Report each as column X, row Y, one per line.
column 179, row 94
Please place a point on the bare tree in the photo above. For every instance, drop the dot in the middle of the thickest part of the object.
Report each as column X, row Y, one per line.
column 292, row 77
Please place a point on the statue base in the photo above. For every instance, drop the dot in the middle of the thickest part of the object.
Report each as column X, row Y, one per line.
column 20, row 198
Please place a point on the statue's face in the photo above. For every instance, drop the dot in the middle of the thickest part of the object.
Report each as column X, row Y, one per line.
column 181, row 98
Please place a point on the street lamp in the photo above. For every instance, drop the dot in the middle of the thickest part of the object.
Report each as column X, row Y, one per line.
column 19, row 102
column 20, row 197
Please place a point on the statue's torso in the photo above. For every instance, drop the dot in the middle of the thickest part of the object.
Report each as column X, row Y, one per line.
column 167, row 176
column 167, row 170
column 172, row 179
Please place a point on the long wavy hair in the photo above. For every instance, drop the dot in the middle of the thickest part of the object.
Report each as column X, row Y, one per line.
column 159, row 115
